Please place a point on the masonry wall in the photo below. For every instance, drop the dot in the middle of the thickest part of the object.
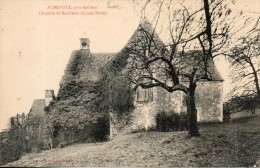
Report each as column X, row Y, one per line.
column 209, row 101
column 142, row 117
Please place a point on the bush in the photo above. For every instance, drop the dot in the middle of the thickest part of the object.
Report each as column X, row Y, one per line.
column 250, row 104
column 94, row 132
column 171, row 121
column 11, row 150
column 14, row 143
column 239, row 103
column 101, row 129
column 226, row 112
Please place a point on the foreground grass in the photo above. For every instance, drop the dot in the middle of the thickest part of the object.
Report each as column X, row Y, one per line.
column 234, row 144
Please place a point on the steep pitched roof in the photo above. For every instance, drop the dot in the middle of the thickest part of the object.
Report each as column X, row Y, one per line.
column 194, row 58
column 79, row 88
column 215, row 74
column 85, row 66
column 37, row 107
column 145, row 30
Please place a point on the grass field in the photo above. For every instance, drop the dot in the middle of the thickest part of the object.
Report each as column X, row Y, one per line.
column 230, row 144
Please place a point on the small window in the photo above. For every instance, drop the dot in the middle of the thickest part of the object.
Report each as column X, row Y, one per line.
column 144, row 95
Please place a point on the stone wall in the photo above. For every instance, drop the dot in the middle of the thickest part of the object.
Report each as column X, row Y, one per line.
column 209, row 101
column 142, row 117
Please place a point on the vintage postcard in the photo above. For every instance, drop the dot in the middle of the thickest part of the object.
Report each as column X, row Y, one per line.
column 129, row 83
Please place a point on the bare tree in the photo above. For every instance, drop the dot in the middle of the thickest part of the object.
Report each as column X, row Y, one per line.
column 187, row 54
column 244, row 59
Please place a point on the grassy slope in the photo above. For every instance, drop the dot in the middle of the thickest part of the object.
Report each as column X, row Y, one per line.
column 234, row 144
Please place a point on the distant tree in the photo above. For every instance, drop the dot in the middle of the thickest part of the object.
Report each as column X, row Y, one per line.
column 17, row 131
column 244, row 59
column 243, row 102
column 16, row 143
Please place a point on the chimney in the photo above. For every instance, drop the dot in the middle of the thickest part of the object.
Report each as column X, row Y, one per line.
column 49, row 96
column 84, row 43
column 84, row 46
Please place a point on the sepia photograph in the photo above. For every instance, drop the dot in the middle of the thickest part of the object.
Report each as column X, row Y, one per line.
column 129, row 83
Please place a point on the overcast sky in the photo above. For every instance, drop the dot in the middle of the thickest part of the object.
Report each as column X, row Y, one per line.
column 34, row 48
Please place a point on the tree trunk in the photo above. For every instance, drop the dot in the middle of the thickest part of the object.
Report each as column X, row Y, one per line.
column 256, row 84
column 51, row 142
column 192, row 113
column 257, row 90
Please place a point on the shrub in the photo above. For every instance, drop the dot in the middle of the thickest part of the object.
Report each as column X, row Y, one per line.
column 101, row 129
column 183, row 121
column 249, row 104
column 13, row 147
column 10, row 151
column 94, row 132
column 226, row 112
column 171, row 121
column 239, row 103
